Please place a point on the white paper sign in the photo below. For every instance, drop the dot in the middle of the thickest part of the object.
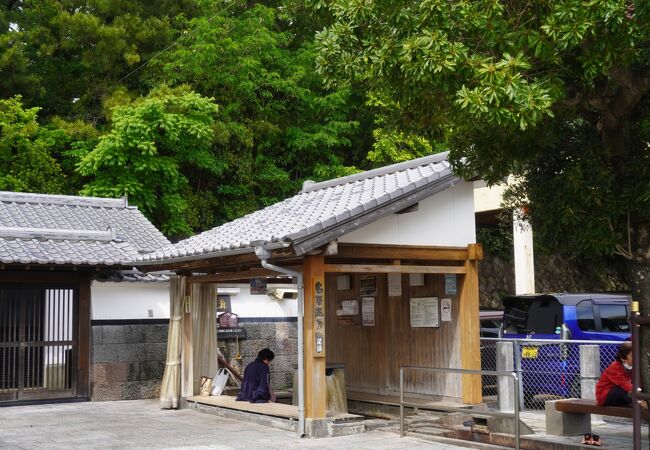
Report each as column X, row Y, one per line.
column 394, row 284
column 368, row 311
column 348, row 308
column 445, row 310
column 424, row 312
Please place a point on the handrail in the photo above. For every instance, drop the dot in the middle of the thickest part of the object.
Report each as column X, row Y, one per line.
column 551, row 341
column 513, row 375
column 636, row 320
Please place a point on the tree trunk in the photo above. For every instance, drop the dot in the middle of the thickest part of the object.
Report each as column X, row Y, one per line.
column 639, row 277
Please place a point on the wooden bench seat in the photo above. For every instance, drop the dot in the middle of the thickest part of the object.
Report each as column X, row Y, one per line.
column 573, row 416
column 584, row 406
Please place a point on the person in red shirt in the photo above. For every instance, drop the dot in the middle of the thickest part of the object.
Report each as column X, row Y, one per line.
column 615, row 385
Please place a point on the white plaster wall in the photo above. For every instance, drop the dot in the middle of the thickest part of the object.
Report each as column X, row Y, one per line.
column 246, row 305
column 132, row 300
column 488, row 198
column 444, row 219
column 129, row 300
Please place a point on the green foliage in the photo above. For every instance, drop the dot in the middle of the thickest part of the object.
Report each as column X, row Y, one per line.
column 277, row 124
column 496, row 240
column 149, row 143
column 67, row 55
column 27, row 162
column 553, row 92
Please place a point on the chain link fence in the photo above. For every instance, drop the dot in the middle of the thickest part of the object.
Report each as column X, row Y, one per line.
column 549, row 369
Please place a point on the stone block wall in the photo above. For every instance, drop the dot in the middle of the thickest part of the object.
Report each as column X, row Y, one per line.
column 280, row 335
column 553, row 273
column 127, row 359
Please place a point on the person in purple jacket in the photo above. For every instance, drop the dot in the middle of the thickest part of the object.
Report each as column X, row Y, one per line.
column 256, row 387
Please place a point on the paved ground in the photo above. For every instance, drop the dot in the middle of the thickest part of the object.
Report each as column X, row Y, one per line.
column 141, row 424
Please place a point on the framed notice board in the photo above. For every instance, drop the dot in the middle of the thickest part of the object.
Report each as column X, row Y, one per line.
column 425, row 312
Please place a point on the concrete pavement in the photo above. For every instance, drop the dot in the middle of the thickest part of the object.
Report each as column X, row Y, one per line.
column 140, row 424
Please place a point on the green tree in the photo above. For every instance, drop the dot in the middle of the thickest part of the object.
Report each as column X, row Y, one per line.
column 27, row 162
column 66, row 56
column 553, row 91
column 277, row 124
column 144, row 155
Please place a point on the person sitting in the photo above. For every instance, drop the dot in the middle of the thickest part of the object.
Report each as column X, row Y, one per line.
column 615, row 385
column 256, row 387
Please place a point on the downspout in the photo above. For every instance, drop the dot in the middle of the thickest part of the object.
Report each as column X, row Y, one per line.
column 263, row 254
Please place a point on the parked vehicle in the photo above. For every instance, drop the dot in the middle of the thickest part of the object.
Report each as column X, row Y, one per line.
column 554, row 369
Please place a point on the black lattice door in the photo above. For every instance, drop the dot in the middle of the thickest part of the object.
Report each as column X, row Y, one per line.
column 37, row 343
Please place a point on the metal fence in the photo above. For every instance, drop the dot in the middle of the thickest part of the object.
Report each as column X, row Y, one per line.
column 548, row 369
column 483, row 412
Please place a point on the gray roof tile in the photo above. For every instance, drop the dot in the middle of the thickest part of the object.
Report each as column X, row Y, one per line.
column 57, row 229
column 318, row 208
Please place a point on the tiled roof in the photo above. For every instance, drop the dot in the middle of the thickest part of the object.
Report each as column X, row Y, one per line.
column 61, row 229
column 133, row 276
column 321, row 212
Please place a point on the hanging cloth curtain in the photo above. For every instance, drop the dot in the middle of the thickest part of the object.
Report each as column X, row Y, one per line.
column 171, row 383
column 204, row 325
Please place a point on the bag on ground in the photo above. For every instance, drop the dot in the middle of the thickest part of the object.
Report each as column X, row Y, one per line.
column 219, row 382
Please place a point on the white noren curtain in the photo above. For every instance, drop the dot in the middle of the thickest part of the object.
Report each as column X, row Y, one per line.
column 171, row 383
column 204, row 325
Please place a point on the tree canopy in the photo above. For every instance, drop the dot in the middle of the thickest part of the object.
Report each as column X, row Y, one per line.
column 553, row 92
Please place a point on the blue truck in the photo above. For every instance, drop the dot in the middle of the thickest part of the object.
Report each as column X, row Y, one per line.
column 554, row 369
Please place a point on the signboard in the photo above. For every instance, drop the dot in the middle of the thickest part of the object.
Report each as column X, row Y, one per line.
column 368, row 311
column 258, row 286
column 223, row 303
column 424, row 312
column 450, row 284
column 368, row 285
column 445, row 310
column 319, row 319
column 231, row 333
column 394, row 284
column 347, row 312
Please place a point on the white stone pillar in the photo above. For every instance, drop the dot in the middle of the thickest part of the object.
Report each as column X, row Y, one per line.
column 505, row 385
column 522, row 238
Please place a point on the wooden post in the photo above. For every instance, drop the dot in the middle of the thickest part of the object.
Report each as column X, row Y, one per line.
column 83, row 338
column 315, row 342
column 470, row 353
column 187, row 359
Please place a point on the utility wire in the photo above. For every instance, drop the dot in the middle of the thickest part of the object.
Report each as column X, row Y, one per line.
column 177, row 41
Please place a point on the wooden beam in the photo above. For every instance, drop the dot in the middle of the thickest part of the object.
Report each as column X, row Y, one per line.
column 475, row 252
column 315, row 341
column 241, row 275
column 370, row 268
column 371, row 251
column 468, row 328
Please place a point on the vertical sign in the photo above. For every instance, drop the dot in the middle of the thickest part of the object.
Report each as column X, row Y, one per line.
column 319, row 319
column 450, row 284
column 368, row 311
column 445, row 310
column 394, row 284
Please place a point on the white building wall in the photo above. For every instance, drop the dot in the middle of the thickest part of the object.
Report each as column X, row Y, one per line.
column 445, row 219
column 246, row 305
column 133, row 300
column 129, row 300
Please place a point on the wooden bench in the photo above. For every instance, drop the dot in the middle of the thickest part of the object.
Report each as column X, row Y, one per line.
column 573, row 416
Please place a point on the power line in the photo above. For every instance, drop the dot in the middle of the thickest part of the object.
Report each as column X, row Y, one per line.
column 177, row 41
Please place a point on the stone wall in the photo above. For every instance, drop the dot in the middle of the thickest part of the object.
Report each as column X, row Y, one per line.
column 279, row 336
column 127, row 359
column 553, row 273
